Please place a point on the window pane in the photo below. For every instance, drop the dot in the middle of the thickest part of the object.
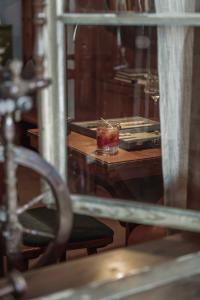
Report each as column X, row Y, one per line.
column 110, row 5
column 112, row 74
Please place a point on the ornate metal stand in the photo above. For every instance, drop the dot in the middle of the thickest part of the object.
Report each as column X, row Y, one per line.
column 14, row 100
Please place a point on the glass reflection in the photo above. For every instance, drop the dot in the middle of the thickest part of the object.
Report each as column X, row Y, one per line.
column 114, row 77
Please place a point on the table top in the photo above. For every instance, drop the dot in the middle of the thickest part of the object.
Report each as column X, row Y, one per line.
column 124, row 165
column 87, row 146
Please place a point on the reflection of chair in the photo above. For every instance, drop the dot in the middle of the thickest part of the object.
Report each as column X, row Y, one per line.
column 87, row 232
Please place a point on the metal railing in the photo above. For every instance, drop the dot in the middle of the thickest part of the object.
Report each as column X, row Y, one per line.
column 136, row 212
column 131, row 19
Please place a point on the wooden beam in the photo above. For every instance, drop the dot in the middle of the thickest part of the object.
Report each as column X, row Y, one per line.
column 136, row 212
column 141, row 280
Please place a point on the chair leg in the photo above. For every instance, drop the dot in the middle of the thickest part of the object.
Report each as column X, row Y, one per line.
column 129, row 228
column 24, row 263
column 21, row 265
column 91, row 251
column 128, row 231
column 63, row 257
column 2, row 270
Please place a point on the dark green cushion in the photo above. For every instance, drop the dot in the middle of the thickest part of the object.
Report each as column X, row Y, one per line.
column 44, row 219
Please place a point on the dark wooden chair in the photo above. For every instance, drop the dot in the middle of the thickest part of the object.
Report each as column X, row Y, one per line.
column 87, row 233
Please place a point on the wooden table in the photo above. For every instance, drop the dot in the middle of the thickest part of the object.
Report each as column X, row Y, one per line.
column 111, row 265
column 119, row 176
column 126, row 164
column 106, row 170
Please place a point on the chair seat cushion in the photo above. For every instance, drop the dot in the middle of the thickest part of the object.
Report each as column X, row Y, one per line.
column 43, row 219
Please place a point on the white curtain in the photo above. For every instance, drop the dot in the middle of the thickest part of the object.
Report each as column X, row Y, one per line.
column 175, row 57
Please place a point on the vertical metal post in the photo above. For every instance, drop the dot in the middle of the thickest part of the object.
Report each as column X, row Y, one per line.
column 52, row 105
column 12, row 230
column 60, row 114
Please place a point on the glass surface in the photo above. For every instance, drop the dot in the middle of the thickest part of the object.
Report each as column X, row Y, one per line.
column 104, row 6
column 132, row 75
column 120, row 75
column 108, row 78
column 107, row 136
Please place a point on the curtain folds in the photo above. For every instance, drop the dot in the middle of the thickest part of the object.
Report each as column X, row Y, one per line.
column 175, row 57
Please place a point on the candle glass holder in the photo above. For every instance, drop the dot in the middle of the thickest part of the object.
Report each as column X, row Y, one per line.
column 107, row 135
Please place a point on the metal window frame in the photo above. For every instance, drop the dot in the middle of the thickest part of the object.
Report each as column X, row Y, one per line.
column 54, row 125
column 130, row 18
column 52, row 103
column 121, row 209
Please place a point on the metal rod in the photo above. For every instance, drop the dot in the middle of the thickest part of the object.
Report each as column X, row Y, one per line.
column 32, row 202
column 140, row 281
column 43, row 69
column 52, row 105
column 60, row 100
column 15, row 286
column 131, row 18
column 136, row 212
column 38, row 233
column 12, row 233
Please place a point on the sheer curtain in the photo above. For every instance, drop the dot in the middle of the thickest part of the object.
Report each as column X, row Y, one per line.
column 175, row 56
